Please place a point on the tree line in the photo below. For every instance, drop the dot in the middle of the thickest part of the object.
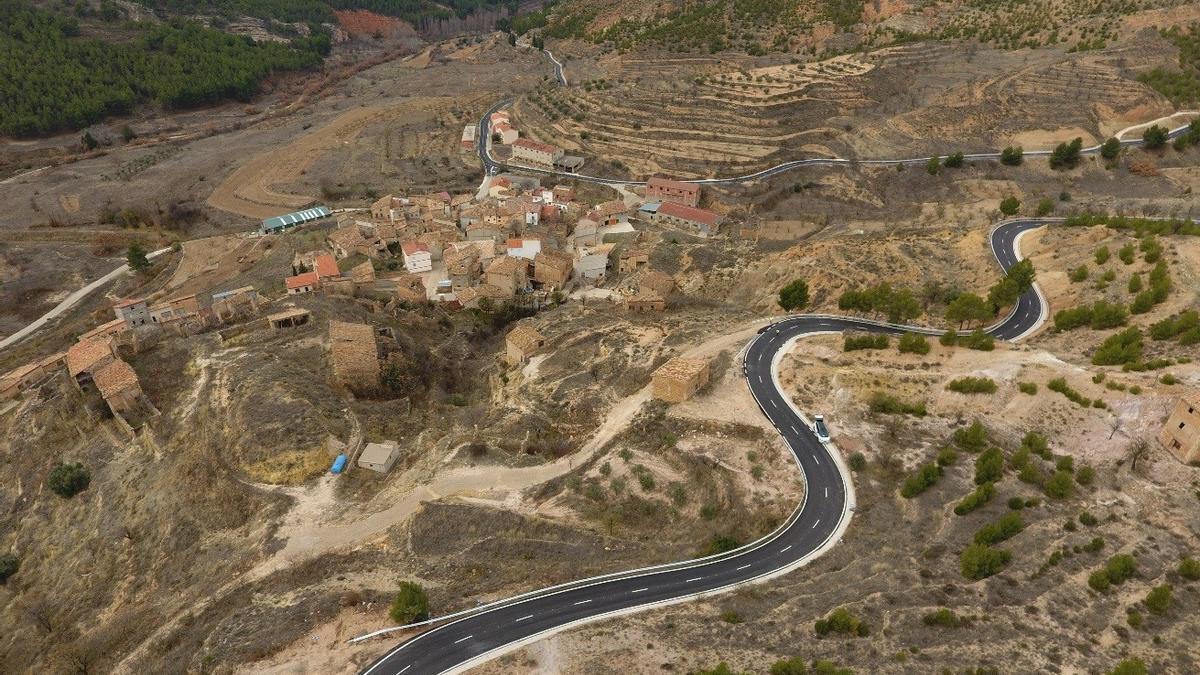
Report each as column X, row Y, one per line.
column 53, row 80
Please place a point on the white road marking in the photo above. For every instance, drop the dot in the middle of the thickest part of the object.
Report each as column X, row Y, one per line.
column 816, row 523
column 826, row 492
column 693, row 579
column 760, row 379
column 816, row 460
column 406, row 667
column 785, row 550
column 529, row 616
column 640, row 590
column 741, row 568
column 583, row 602
column 462, row 639
column 775, row 404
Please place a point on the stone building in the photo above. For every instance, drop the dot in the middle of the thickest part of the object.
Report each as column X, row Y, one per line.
column 1181, row 433
column 521, row 343
column 354, row 354
column 679, row 379
column 678, row 192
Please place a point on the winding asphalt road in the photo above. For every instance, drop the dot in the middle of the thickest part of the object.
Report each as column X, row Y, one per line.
column 813, row 528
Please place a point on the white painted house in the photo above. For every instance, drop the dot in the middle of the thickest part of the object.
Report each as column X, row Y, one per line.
column 417, row 257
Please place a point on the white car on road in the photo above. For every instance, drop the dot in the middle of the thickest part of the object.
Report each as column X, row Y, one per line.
column 820, row 429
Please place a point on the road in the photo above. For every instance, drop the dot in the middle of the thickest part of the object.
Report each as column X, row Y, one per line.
column 70, row 301
column 813, row 527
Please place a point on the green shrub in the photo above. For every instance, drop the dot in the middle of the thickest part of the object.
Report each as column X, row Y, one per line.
column 1131, row 666
column 972, row 385
column 1037, row 444
column 1133, row 618
column 730, row 616
column 1045, row 206
column 9, row 564
column 410, row 605
column 1101, row 255
column 1158, row 600
column 1189, row 568
column 841, row 621
column 954, row 161
column 1030, row 388
column 1088, row 519
column 1059, row 384
column 866, row 341
column 857, row 462
column 1085, row 475
column 1078, row 274
column 68, row 480
column 1060, row 485
column 1012, row 155
column 1098, row 581
column 923, row 479
column 949, row 338
column 980, row 496
column 979, row 341
column 947, row 457
column 1010, row 205
column 972, row 438
column 989, row 466
column 794, row 296
column 942, row 618
column 913, row 343
column 1120, row 348
column 1016, row 503
column 792, row 666
column 721, row 543
column 1095, row 545
column 1009, row 525
column 1127, row 254
column 979, row 561
column 886, row 404
column 1120, row 568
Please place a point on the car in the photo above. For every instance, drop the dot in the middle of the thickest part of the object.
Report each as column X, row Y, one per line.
column 820, row 429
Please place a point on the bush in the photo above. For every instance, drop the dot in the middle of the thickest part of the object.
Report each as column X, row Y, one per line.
column 1120, row 348
column 1010, row 205
column 1158, row 600
column 949, row 338
column 1120, row 568
column 989, row 466
column 1066, row 155
column 730, row 616
column 1131, row 666
column 721, row 543
column 866, row 341
column 979, row 561
column 1060, row 485
column 1030, row 388
column 1126, row 253
column 886, row 404
column 410, row 605
column 1098, row 581
column 857, row 462
column 1133, row 618
column 980, row 496
column 68, row 480
column 1088, row 520
column 980, row 341
column 842, row 621
column 954, row 161
column 943, row 618
column 9, row 564
column 792, row 666
column 1009, row 525
column 1085, row 475
column 924, row 478
column 794, row 296
column 1045, row 206
column 1154, row 138
column 971, row 438
column 1189, row 568
column 1012, row 155
column 947, row 457
column 1110, row 149
column 1078, row 274
column 1059, row 384
column 1016, row 503
column 913, row 343
column 1101, row 255
column 1037, row 444
column 972, row 385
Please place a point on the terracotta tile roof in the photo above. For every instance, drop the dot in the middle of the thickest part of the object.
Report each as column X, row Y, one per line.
column 660, row 182
column 691, row 213
column 115, row 378
column 363, row 272
column 526, row 338
column 347, row 237
column 505, row 265
column 300, row 280
column 325, row 265
column 656, row 281
column 85, row 354
column 114, row 326
column 535, row 146
column 411, row 247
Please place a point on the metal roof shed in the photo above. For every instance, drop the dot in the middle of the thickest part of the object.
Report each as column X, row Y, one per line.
column 289, row 220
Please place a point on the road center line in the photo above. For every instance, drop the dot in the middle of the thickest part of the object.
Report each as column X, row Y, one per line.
column 816, row 460
column 818, row 522
column 785, row 549
column 693, row 579
column 583, row 602
column 462, row 639
column 406, row 667
column 530, row 616
column 741, row 568
column 639, row 590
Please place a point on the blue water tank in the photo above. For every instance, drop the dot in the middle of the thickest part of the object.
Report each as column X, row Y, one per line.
column 339, row 464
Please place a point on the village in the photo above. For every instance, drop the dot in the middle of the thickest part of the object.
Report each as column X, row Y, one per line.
column 517, row 243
